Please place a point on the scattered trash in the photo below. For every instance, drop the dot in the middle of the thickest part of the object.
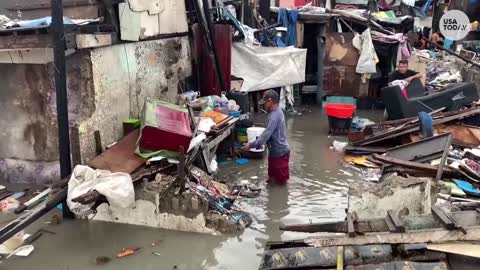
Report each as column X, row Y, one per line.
column 346, row 173
column 254, row 177
column 339, row 146
column 102, row 260
column 127, row 252
column 242, row 161
column 361, row 123
column 55, row 220
column 156, row 253
column 22, row 251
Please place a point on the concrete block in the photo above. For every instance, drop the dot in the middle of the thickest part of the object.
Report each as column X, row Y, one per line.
column 195, row 203
column 175, row 204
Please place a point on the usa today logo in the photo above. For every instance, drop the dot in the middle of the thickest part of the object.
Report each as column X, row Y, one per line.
column 455, row 25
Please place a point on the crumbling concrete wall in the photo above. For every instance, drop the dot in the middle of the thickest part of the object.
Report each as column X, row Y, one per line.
column 105, row 87
column 124, row 76
column 29, row 140
column 394, row 193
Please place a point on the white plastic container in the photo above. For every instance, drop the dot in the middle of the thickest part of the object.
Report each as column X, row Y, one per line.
column 252, row 134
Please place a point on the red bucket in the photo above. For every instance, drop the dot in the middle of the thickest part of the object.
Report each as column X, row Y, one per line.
column 340, row 110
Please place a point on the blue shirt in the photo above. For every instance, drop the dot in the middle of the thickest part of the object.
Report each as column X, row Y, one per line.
column 275, row 135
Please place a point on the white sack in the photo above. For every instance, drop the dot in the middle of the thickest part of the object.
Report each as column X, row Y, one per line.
column 267, row 67
column 116, row 187
column 367, row 63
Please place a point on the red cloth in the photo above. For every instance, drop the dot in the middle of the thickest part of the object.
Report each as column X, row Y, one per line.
column 278, row 169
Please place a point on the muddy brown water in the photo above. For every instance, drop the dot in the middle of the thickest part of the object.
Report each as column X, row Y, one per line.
column 316, row 192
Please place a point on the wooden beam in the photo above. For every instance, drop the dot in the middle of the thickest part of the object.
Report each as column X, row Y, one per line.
column 399, row 226
column 13, row 42
column 446, row 150
column 409, row 164
column 414, row 237
column 45, row 4
column 85, row 41
column 350, row 225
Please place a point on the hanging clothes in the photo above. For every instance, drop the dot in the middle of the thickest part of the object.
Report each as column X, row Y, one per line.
column 403, row 50
column 288, row 19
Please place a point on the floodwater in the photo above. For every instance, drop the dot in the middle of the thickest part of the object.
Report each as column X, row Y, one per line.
column 317, row 192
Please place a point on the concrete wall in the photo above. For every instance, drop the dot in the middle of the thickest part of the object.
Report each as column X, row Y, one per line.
column 105, row 87
column 123, row 77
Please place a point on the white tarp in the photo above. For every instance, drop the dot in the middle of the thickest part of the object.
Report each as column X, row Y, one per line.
column 267, row 67
column 116, row 187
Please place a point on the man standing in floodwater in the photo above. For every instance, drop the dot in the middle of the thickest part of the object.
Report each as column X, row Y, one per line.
column 275, row 136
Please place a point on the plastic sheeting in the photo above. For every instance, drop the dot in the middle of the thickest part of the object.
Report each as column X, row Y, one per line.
column 268, row 67
column 116, row 187
column 367, row 63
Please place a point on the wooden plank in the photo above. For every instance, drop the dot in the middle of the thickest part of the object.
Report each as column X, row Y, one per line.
column 399, row 226
column 414, row 151
column 409, row 164
column 41, row 4
column 412, row 237
column 25, row 41
column 121, row 157
column 448, row 221
column 390, row 224
column 350, row 225
column 466, row 249
column 443, row 218
column 415, row 127
column 446, row 150
column 85, row 41
column 340, row 255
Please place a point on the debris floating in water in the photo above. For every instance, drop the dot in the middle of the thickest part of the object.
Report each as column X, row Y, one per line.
column 345, row 173
column 127, row 252
column 102, row 260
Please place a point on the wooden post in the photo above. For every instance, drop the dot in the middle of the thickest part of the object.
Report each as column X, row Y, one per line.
column 58, row 41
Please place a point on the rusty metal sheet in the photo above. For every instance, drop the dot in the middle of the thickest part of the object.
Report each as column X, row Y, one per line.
column 121, row 157
column 340, row 78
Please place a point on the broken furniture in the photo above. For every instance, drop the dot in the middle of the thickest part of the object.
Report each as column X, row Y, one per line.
column 452, row 98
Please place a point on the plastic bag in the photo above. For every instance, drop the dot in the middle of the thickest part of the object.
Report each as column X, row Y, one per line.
column 116, row 187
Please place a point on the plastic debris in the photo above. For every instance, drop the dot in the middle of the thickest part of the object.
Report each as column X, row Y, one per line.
column 127, row 252
column 242, row 161
column 339, row 146
column 102, row 260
